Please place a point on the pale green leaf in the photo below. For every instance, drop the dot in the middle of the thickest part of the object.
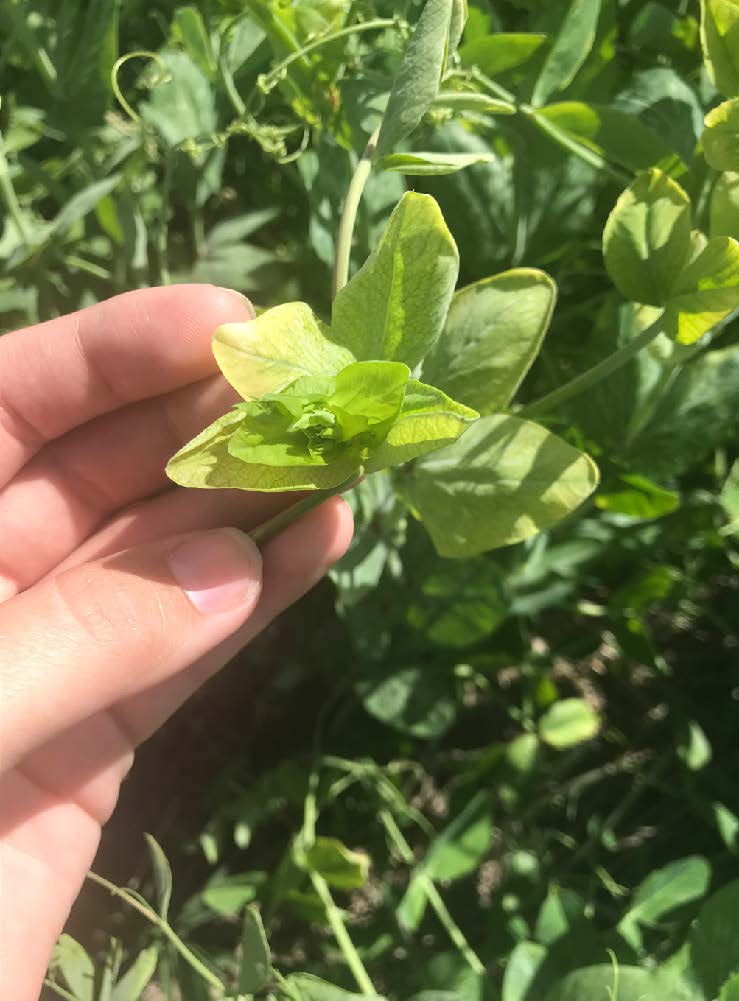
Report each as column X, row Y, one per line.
column 341, row 867
column 428, row 420
column 646, row 241
column 720, row 39
column 730, row 990
column 706, row 291
column 417, row 81
column 468, row 100
column 493, row 332
column 76, row 967
column 412, row 907
column 281, row 345
column 206, row 462
column 695, row 748
column 725, row 205
column 256, row 964
column 461, row 846
column 721, row 137
column 570, row 50
column 417, row 701
column 80, row 204
column 729, row 498
column 642, row 498
column 395, row 306
column 227, row 895
column 672, row 886
column 521, row 969
column 569, row 722
column 131, row 985
column 306, row 987
column 162, row 875
column 625, row 983
column 617, row 136
column 503, row 481
column 182, row 104
column 495, row 54
column 189, row 29
column 419, row 164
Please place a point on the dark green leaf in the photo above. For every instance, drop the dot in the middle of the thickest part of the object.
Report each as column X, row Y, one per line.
column 570, row 50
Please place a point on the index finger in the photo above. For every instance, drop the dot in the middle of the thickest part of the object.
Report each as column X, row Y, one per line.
column 62, row 373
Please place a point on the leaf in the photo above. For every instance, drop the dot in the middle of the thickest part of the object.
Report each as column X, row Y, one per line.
column 729, row 496
column 706, row 292
column 281, row 345
column 521, row 969
column 76, row 966
column 695, row 748
column 562, row 908
column 341, row 867
column 495, row 54
column 720, row 40
column 419, row 164
column 714, row 940
column 188, row 28
column 727, row 824
column 80, row 204
column 725, row 206
column 417, row 80
column 428, row 420
column 624, row 983
column 730, row 990
column 646, row 241
column 228, row 895
column 616, row 135
column 413, row 904
column 131, row 985
column 493, row 333
column 235, row 230
column 642, row 499
column 569, row 722
column 419, row 701
column 721, row 137
column 570, row 50
column 256, row 964
column 182, row 104
column 667, row 888
column 503, row 481
column 460, row 847
column 394, row 307
column 162, row 875
column 307, row 987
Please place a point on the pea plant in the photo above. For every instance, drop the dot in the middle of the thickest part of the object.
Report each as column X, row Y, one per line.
column 326, row 403
column 530, row 749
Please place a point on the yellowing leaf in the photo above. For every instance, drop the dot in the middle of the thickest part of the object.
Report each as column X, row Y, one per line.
column 721, row 137
column 394, row 307
column 707, row 291
column 725, row 205
column 646, row 241
column 503, row 481
column 493, row 332
column 281, row 345
column 720, row 39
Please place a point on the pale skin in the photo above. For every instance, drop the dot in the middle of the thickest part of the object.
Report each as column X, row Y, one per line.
column 119, row 594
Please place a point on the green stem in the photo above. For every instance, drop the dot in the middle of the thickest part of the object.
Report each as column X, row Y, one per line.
column 273, row 76
column 59, row 990
column 269, row 529
column 593, row 375
column 566, row 141
column 162, row 925
column 10, row 199
column 455, row 933
column 349, row 214
column 341, row 935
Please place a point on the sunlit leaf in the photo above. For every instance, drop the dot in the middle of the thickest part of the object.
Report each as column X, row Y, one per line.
column 419, row 164
column 569, row 722
column 570, row 50
column 706, row 292
column 720, row 38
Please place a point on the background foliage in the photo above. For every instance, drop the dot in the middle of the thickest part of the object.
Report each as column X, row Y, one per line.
column 521, row 768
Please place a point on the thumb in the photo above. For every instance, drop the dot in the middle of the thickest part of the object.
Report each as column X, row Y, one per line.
column 80, row 641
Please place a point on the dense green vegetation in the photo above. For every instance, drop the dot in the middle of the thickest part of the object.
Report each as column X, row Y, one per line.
column 508, row 776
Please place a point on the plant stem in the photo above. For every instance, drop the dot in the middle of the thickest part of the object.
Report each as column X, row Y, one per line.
column 269, row 529
column 593, row 375
column 59, row 990
column 341, row 935
column 349, row 215
column 433, row 896
column 163, row 926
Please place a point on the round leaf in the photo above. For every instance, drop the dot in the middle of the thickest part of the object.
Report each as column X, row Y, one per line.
column 568, row 722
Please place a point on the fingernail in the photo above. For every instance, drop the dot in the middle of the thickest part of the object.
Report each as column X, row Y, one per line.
column 243, row 301
column 219, row 571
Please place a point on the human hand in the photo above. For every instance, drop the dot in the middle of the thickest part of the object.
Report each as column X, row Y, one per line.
column 119, row 595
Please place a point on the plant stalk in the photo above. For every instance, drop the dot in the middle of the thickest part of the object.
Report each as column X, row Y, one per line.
column 593, row 375
column 566, row 141
column 163, row 926
column 433, row 896
column 349, row 215
column 269, row 529
column 342, row 936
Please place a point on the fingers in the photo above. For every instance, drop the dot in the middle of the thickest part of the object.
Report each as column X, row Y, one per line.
column 75, row 483
column 98, row 633
column 60, row 374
